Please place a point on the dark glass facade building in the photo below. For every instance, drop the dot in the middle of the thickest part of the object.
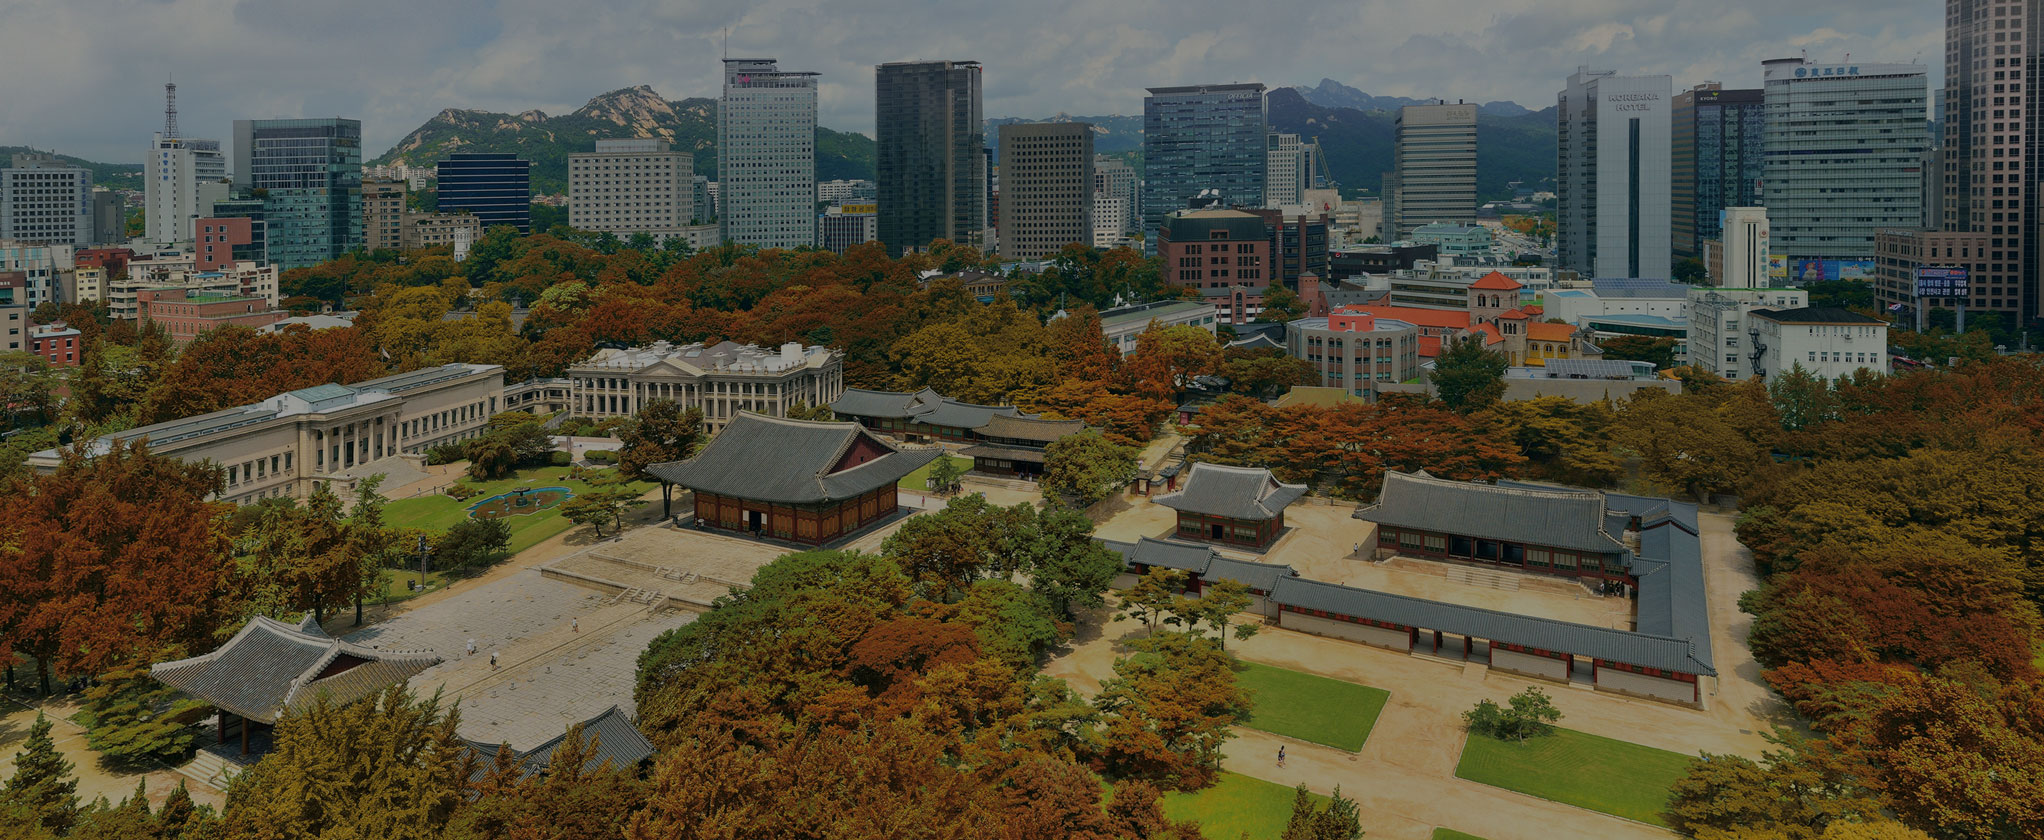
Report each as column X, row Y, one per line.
column 1202, row 137
column 496, row 188
column 930, row 159
column 1718, row 154
column 310, row 172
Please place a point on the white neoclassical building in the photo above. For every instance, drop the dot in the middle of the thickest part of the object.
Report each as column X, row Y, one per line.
column 722, row 379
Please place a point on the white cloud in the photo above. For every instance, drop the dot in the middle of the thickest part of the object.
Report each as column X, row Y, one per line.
column 85, row 76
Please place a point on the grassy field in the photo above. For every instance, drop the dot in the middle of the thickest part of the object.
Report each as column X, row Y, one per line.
column 437, row 513
column 397, row 584
column 1452, row 834
column 1577, row 768
column 1236, row 806
column 920, row 479
column 1311, row 708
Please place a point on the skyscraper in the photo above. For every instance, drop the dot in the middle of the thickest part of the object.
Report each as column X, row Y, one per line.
column 182, row 177
column 1992, row 148
column 496, row 188
column 1719, row 145
column 1202, row 137
column 1433, row 161
column 46, row 201
column 1613, row 175
column 1046, row 188
column 383, row 214
column 1845, row 147
column 312, row 172
column 1288, row 170
column 766, row 155
column 928, row 159
column 1115, row 180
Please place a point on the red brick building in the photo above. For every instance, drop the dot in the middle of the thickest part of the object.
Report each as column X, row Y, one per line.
column 1225, row 254
column 55, row 342
column 114, row 260
column 186, row 316
column 217, row 239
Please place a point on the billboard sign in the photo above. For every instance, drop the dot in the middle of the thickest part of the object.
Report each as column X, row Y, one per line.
column 1940, row 282
column 1814, row 270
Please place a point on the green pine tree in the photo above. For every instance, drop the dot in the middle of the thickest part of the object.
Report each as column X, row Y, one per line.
column 42, row 782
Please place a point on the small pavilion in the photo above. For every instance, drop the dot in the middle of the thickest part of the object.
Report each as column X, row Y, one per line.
column 613, row 737
column 801, row 481
column 270, row 668
column 1232, row 505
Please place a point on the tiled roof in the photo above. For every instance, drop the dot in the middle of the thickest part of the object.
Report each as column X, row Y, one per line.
column 925, row 406
column 1644, row 649
column 774, row 459
column 1024, row 454
column 1496, row 280
column 1012, row 427
column 271, row 667
column 1198, row 560
column 1248, row 493
column 1544, row 331
column 618, row 743
column 1417, row 316
column 1559, row 518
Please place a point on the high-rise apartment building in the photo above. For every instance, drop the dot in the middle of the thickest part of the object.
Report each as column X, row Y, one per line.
column 1114, row 178
column 928, row 157
column 182, row 177
column 312, row 172
column 1046, row 188
column 1433, row 165
column 632, row 186
column 1992, row 153
column 383, row 214
column 1202, row 137
column 1613, row 177
column 1845, row 146
column 494, row 187
column 45, row 200
column 766, row 155
column 1719, row 145
column 1288, row 168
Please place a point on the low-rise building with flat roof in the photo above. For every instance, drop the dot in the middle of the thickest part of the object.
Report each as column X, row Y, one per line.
column 1122, row 325
column 1354, row 351
column 186, row 316
column 1825, row 340
column 286, row 445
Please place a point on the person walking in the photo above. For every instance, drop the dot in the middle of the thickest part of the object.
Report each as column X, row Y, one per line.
column 471, row 647
column 575, row 623
column 493, row 660
column 1281, row 755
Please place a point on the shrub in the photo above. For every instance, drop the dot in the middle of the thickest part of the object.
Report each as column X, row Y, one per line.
column 446, row 453
column 559, row 459
column 601, row 456
column 1527, row 714
column 463, row 491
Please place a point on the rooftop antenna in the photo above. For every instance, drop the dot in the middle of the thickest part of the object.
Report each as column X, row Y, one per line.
column 170, row 109
column 727, row 43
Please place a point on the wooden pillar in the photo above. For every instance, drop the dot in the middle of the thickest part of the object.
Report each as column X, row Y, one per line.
column 244, row 735
column 1437, row 642
column 221, row 719
column 1466, row 642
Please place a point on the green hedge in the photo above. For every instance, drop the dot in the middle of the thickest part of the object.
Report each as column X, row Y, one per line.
column 559, row 459
column 601, row 456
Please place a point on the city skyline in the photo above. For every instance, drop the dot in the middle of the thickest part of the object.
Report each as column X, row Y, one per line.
column 1087, row 59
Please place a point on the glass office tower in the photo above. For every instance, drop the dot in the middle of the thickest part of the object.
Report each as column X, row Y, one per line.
column 929, row 163
column 1202, row 137
column 496, row 188
column 310, row 175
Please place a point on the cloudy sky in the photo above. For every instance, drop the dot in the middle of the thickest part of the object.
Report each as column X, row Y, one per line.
column 85, row 76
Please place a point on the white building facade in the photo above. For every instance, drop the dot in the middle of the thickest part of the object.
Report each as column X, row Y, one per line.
column 1842, row 136
column 1827, row 341
column 631, row 186
column 721, row 379
column 766, row 155
column 1718, row 341
column 45, row 200
column 181, row 179
column 1615, row 194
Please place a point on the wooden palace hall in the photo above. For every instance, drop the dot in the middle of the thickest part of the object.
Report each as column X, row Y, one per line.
column 271, row 667
column 795, row 480
column 1233, row 505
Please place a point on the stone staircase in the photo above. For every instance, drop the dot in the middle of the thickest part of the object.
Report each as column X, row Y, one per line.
column 1483, row 578
column 210, row 770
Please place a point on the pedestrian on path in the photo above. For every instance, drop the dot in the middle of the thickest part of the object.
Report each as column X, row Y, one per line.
column 471, row 647
column 1281, row 755
column 575, row 623
column 493, row 664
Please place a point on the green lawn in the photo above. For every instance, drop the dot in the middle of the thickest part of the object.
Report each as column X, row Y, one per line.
column 1236, row 806
column 397, row 583
column 1452, row 834
column 1311, row 708
column 437, row 513
column 1577, row 768
column 920, row 479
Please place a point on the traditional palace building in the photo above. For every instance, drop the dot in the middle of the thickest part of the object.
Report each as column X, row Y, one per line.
column 794, row 480
column 722, row 379
column 923, row 415
column 285, row 445
column 1015, row 445
column 1232, row 505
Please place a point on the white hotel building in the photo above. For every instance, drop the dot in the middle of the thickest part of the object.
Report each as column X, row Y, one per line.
column 766, row 155
column 1616, row 205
